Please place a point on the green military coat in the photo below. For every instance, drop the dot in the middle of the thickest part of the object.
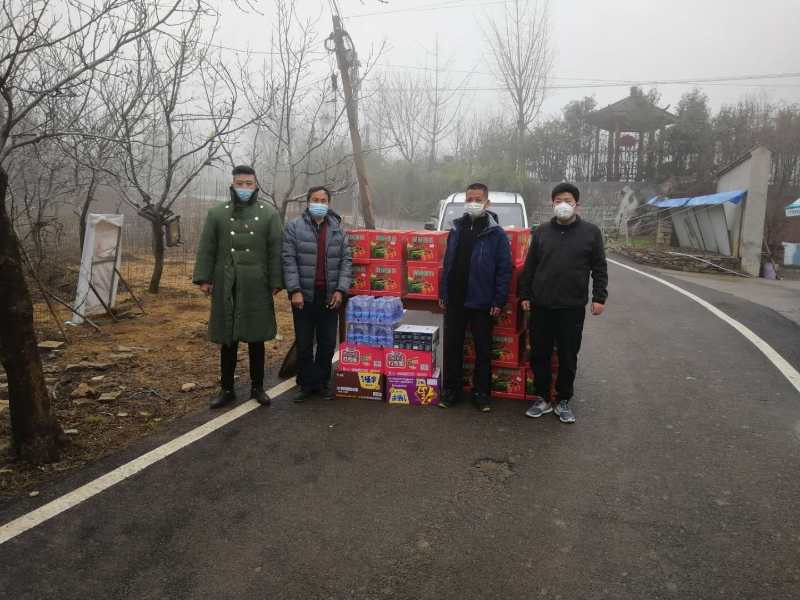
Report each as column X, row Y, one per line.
column 240, row 253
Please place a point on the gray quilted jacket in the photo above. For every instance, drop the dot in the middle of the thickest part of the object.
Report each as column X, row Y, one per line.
column 299, row 256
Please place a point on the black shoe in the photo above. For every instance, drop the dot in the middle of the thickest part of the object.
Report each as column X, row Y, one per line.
column 326, row 392
column 449, row 398
column 302, row 395
column 482, row 402
column 223, row 398
column 258, row 394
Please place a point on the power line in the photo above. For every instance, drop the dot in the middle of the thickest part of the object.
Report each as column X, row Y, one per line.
column 445, row 6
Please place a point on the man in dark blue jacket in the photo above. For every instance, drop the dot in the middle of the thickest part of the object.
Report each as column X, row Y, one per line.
column 472, row 291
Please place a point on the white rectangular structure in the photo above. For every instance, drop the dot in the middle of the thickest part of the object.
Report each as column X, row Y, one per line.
column 102, row 253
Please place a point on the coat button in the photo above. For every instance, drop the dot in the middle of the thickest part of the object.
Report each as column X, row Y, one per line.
column 231, row 219
column 247, row 250
column 252, row 233
column 256, row 218
column 233, row 249
column 233, row 233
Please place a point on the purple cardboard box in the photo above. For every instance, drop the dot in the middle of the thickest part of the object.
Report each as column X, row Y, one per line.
column 413, row 389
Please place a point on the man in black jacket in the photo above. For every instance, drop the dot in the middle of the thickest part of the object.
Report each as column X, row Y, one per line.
column 554, row 285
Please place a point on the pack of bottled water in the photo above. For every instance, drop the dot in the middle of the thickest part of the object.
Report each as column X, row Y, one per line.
column 371, row 321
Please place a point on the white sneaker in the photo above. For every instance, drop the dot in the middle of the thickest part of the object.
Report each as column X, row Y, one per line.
column 539, row 407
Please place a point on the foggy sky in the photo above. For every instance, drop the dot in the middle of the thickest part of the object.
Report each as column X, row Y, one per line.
column 593, row 40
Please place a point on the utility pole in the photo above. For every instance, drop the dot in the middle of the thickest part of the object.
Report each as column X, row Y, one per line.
column 347, row 59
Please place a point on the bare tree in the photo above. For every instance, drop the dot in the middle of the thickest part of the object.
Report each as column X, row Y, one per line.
column 523, row 59
column 47, row 52
column 171, row 134
column 399, row 110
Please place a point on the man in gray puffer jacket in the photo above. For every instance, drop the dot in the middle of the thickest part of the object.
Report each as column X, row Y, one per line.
column 317, row 271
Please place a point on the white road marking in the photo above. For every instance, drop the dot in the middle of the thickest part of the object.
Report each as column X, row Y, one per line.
column 772, row 355
column 36, row 517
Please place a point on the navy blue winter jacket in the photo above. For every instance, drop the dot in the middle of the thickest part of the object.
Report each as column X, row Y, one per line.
column 489, row 267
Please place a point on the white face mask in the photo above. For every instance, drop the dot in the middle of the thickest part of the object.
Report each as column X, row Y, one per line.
column 563, row 211
column 474, row 209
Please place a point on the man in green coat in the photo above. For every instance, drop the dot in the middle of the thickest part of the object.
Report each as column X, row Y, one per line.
column 239, row 266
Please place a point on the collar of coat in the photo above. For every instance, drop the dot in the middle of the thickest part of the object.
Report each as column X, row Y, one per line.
column 332, row 218
column 493, row 222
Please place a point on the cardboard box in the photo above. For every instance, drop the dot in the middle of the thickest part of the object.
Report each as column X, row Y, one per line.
column 386, row 245
column 519, row 239
column 511, row 319
column 408, row 362
column 508, row 382
column 358, row 357
column 408, row 389
column 422, row 281
column 513, row 286
column 508, row 349
column 467, row 375
column 385, row 278
column 428, row 246
column 360, row 283
column 360, row 385
column 359, row 244
column 417, row 337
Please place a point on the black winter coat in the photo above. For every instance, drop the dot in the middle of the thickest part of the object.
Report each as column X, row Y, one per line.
column 559, row 262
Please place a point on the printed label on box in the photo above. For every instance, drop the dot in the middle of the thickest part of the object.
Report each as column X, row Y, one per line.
column 359, row 243
column 412, row 362
column 360, row 283
column 386, row 245
column 385, row 279
column 426, row 247
column 422, row 391
column 355, row 357
column 511, row 317
column 508, row 382
column 422, row 281
column 364, row 385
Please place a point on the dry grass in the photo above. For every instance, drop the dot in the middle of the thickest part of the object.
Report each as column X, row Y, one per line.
column 151, row 357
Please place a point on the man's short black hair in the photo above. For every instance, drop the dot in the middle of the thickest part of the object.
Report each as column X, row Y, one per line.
column 243, row 170
column 568, row 188
column 318, row 188
column 479, row 186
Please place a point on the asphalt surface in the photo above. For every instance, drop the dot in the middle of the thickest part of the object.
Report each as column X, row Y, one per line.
column 679, row 480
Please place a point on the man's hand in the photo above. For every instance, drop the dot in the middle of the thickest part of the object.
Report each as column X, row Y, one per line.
column 336, row 301
column 526, row 305
column 276, row 291
column 597, row 308
column 442, row 304
column 297, row 300
column 207, row 288
column 495, row 311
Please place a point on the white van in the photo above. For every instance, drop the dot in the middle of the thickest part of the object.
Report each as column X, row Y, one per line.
column 508, row 206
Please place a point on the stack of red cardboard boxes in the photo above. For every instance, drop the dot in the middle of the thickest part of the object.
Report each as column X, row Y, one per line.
column 377, row 262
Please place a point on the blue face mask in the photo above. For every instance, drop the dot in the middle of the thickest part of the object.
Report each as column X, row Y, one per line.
column 243, row 194
column 317, row 210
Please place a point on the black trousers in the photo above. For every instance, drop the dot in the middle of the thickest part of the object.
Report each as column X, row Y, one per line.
column 315, row 322
column 228, row 357
column 564, row 328
column 456, row 320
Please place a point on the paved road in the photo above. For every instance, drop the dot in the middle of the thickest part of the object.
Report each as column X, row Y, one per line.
column 678, row 481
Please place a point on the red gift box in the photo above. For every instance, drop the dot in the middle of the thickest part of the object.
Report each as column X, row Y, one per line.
column 508, row 349
column 386, row 245
column 422, row 281
column 511, row 317
column 516, row 274
column 360, row 283
column 411, row 362
column 467, row 375
column 358, row 357
column 359, row 244
column 530, row 390
column 519, row 239
column 385, row 278
column 426, row 246
column 508, row 382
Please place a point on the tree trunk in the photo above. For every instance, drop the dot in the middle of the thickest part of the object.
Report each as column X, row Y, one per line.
column 158, row 255
column 35, row 431
column 87, row 203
